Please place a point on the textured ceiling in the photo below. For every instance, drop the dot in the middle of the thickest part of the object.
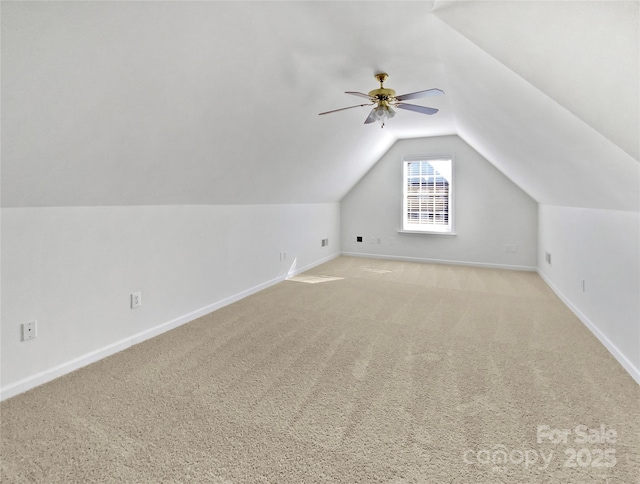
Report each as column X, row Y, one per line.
column 140, row 103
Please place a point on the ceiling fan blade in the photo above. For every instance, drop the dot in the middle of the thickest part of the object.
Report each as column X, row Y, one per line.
column 417, row 109
column 342, row 109
column 415, row 95
column 361, row 94
column 370, row 119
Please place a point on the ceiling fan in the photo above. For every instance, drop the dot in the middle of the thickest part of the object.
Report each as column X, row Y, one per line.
column 384, row 100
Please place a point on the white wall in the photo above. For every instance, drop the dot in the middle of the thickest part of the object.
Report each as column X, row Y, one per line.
column 73, row 269
column 603, row 248
column 490, row 211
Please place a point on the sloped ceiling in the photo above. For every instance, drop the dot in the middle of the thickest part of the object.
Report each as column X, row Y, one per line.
column 140, row 103
column 583, row 55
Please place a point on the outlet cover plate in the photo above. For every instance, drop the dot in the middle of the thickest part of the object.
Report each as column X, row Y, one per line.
column 29, row 330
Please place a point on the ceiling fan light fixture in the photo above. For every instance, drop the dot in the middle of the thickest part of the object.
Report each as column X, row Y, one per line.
column 390, row 112
column 382, row 112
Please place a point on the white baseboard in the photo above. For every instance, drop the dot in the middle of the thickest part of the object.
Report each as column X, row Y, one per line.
column 42, row 377
column 613, row 349
column 440, row 261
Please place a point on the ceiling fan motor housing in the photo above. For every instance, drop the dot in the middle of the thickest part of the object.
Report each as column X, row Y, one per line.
column 383, row 94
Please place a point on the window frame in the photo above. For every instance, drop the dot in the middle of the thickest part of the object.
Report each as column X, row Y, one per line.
column 430, row 229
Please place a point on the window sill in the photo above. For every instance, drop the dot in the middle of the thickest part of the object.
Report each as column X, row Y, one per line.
column 420, row 232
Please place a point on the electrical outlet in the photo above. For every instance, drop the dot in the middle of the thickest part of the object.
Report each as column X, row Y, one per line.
column 583, row 285
column 511, row 248
column 358, row 238
column 547, row 257
column 29, row 330
column 136, row 300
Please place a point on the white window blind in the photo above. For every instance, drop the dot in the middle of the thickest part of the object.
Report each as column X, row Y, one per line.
column 427, row 195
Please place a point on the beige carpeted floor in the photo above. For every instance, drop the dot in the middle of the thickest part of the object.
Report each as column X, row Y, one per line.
column 396, row 373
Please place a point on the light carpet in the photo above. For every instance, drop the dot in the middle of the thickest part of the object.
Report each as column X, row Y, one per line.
column 396, row 373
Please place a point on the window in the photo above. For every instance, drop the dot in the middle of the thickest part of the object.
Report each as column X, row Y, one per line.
column 427, row 195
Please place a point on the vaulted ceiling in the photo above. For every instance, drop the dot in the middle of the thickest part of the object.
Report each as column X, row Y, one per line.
column 141, row 103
